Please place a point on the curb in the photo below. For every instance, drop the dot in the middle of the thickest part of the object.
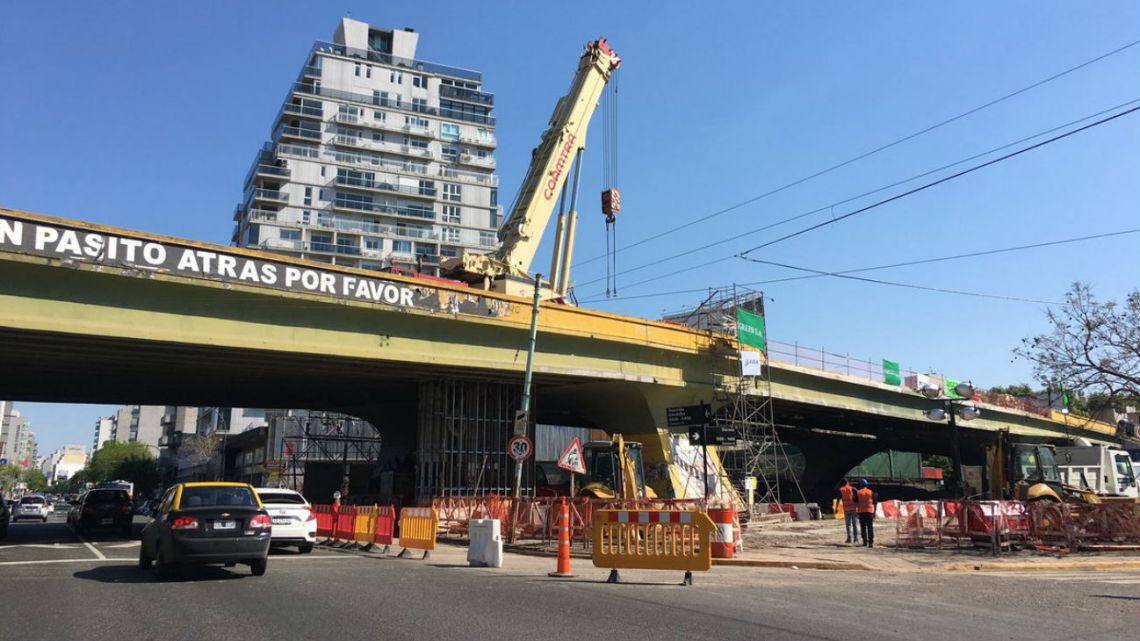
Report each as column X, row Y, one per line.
column 1043, row 565
column 795, row 565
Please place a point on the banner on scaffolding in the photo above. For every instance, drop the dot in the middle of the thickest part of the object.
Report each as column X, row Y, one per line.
column 891, row 374
column 750, row 329
column 688, row 479
column 749, row 363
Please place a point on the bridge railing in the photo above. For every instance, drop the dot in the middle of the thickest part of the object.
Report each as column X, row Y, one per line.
column 823, row 360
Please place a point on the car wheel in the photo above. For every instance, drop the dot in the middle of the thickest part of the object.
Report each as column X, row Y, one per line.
column 305, row 549
column 144, row 559
column 258, row 566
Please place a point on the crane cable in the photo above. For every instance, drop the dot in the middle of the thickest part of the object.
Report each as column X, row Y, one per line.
column 610, row 174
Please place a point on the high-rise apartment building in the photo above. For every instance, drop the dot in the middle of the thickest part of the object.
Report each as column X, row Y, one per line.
column 103, row 427
column 377, row 160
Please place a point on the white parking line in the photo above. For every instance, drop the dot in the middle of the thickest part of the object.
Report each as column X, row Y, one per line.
column 99, row 555
column 46, row 561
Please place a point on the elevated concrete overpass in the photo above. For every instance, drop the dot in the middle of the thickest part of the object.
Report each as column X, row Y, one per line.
column 90, row 313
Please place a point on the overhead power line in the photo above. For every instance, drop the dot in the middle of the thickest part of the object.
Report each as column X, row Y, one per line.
column 909, row 263
column 831, row 207
column 870, row 153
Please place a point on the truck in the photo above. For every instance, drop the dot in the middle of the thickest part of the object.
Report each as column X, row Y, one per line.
column 1105, row 470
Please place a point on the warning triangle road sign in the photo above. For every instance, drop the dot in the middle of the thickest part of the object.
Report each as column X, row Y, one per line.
column 571, row 459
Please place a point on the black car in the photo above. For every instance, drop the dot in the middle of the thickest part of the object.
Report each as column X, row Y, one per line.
column 102, row 509
column 5, row 517
column 207, row 523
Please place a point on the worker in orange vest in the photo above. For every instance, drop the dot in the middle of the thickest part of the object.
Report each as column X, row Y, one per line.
column 865, row 499
column 850, row 518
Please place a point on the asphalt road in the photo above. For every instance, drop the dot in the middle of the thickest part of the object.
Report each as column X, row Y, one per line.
column 56, row 586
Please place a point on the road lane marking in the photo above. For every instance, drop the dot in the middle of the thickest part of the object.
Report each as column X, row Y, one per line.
column 94, row 550
column 129, row 544
column 46, row 546
column 46, row 561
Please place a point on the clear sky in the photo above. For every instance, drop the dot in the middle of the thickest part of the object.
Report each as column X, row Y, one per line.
column 147, row 116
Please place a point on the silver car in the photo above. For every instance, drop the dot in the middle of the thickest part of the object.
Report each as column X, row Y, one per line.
column 31, row 507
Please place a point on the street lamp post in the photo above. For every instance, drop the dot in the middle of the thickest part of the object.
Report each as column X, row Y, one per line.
column 953, row 411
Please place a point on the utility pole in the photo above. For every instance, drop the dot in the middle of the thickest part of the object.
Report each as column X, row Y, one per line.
column 525, row 410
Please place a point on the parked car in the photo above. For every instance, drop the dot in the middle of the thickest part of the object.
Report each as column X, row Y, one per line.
column 102, row 509
column 294, row 522
column 32, row 506
column 5, row 517
column 207, row 523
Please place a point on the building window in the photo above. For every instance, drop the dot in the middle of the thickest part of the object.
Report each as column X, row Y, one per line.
column 305, row 217
column 494, row 197
column 322, row 171
column 290, row 234
column 450, row 235
column 449, row 131
column 450, row 153
column 427, row 188
column 487, row 239
column 415, row 143
column 368, row 71
column 484, row 134
column 379, row 116
column 402, row 246
column 308, row 195
column 419, row 81
column 452, row 192
column 416, row 121
column 372, row 243
column 448, row 251
column 451, row 214
column 380, row 98
column 419, row 105
column 377, row 136
column 396, row 77
column 356, row 69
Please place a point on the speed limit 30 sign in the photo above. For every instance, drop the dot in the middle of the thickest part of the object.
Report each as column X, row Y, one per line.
column 519, row 447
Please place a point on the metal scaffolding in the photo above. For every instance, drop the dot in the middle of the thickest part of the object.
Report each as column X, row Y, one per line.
column 745, row 404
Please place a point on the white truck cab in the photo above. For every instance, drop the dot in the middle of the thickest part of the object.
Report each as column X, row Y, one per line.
column 1108, row 471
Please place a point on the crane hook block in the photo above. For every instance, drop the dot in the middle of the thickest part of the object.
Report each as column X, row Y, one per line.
column 611, row 201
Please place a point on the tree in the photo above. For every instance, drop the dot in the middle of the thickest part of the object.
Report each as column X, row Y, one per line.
column 130, row 461
column 1094, row 346
column 1021, row 389
column 35, row 479
column 9, row 474
column 202, row 448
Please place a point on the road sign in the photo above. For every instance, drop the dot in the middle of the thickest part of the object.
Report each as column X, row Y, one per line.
column 688, row 415
column 571, row 459
column 519, row 447
column 714, row 435
column 520, row 421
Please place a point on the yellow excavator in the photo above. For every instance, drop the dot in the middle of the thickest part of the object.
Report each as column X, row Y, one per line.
column 614, row 470
column 1028, row 472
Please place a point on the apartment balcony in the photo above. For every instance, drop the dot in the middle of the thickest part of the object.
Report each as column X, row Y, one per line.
column 311, row 71
column 480, row 141
column 272, row 171
column 473, row 177
column 387, row 187
column 308, row 89
column 284, row 131
column 396, row 61
column 377, row 208
column 467, row 95
column 335, row 248
column 269, row 195
column 281, row 243
column 476, row 161
column 303, row 110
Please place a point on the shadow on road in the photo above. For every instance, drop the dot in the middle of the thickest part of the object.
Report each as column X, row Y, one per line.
column 1117, row 596
column 131, row 574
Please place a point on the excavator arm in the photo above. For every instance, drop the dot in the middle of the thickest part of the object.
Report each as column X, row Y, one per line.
column 550, row 165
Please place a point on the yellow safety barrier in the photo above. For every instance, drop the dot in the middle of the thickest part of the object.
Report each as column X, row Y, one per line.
column 418, row 526
column 364, row 526
column 652, row 540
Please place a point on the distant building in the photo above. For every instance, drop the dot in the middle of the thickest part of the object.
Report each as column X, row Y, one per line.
column 64, row 462
column 103, row 432
column 377, row 160
column 139, row 424
column 17, row 440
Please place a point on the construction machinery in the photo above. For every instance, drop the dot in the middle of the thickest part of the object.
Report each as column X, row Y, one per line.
column 1028, row 472
column 1105, row 470
column 614, row 470
column 507, row 270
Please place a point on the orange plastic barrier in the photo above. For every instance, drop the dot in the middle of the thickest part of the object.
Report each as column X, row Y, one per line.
column 418, row 527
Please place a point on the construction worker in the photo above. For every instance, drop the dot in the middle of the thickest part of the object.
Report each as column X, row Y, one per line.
column 865, row 500
column 850, row 518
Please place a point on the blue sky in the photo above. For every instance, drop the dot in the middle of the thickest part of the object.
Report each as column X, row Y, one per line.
column 148, row 119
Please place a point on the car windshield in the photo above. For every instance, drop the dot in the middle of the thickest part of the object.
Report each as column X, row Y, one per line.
column 281, row 497
column 1124, row 467
column 31, row 500
column 105, row 497
column 217, row 495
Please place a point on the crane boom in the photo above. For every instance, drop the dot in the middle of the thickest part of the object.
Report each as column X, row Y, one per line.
column 550, row 165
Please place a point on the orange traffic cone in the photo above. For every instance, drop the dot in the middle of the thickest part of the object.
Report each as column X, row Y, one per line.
column 563, row 541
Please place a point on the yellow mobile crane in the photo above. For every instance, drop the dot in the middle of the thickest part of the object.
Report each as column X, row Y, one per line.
column 507, row 269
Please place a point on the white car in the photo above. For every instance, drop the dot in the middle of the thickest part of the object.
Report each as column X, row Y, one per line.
column 31, row 507
column 294, row 522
